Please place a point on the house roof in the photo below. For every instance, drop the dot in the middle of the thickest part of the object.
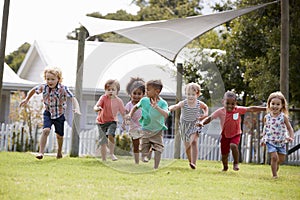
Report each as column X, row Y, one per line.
column 12, row 81
column 103, row 61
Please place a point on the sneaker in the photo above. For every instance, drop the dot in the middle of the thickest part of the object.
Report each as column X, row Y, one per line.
column 113, row 157
column 39, row 156
column 145, row 159
column 236, row 167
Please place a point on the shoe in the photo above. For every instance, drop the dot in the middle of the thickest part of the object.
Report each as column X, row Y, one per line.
column 236, row 167
column 39, row 156
column 145, row 159
column 192, row 165
column 113, row 157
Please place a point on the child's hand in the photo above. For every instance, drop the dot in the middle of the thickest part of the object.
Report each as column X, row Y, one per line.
column 127, row 119
column 262, row 142
column 97, row 108
column 199, row 124
column 76, row 110
column 201, row 117
column 289, row 139
column 23, row 102
column 154, row 103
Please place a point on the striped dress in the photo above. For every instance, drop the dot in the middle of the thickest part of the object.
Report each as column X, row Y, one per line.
column 189, row 116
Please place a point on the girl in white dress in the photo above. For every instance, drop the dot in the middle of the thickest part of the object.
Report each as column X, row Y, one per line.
column 277, row 130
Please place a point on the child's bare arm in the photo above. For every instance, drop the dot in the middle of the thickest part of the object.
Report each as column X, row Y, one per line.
column 76, row 107
column 204, row 121
column 175, row 107
column 256, row 108
column 204, row 107
column 27, row 98
column 289, row 128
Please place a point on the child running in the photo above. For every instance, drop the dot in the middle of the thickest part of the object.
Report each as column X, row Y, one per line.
column 55, row 101
column 154, row 113
column 230, row 121
column 277, row 130
column 192, row 110
column 136, row 90
column 108, row 107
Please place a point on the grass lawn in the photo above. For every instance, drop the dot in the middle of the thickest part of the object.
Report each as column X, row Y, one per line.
column 24, row 177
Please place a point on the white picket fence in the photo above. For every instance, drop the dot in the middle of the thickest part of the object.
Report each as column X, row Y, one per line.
column 209, row 147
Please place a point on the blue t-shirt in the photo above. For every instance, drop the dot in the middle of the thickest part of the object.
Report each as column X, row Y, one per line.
column 151, row 119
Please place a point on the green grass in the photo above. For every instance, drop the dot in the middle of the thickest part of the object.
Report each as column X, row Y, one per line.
column 24, row 177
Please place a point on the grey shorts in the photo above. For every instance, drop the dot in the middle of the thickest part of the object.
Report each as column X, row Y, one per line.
column 108, row 128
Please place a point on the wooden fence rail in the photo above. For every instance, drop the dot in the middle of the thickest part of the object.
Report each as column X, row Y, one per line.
column 17, row 137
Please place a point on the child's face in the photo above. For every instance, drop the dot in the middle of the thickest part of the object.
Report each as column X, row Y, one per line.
column 111, row 91
column 275, row 106
column 229, row 104
column 191, row 95
column 151, row 92
column 51, row 80
column 136, row 95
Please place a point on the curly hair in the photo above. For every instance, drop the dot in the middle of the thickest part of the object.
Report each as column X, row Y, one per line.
column 135, row 83
column 55, row 71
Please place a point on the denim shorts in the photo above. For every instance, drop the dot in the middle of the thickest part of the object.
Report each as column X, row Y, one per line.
column 58, row 123
column 272, row 148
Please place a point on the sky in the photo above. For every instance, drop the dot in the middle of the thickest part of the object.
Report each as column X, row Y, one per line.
column 31, row 20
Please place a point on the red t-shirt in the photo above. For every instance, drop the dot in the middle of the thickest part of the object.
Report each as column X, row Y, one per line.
column 110, row 109
column 230, row 121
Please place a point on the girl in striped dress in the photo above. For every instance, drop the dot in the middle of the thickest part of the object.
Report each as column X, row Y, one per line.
column 192, row 110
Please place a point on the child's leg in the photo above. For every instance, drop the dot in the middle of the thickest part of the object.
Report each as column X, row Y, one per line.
column 157, row 158
column 225, row 161
column 111, row 146
column 274, row 163
column 145, row 148
column 103, row 150
column 43, row 142
column 149, row 155
column 281, row 160
column 187, row 146
column 235, row 153
column 60, row 140
column 194, row 148
column 136, row 144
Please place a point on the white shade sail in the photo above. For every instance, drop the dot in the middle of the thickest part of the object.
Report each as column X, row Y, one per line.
column 169, row 37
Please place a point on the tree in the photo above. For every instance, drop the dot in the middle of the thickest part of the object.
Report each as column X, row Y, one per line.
column 252, row 48
column 15, row 59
